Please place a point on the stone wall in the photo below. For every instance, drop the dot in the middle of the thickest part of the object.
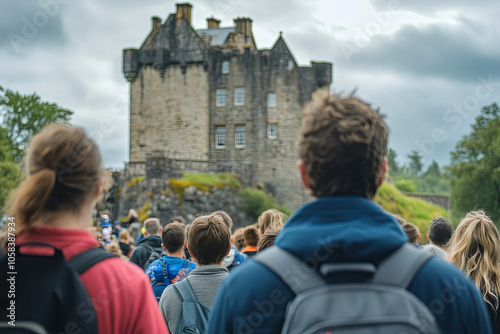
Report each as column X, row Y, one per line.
column 441, row 200
column 168, row 164
column 166, row 204
column 169, row 112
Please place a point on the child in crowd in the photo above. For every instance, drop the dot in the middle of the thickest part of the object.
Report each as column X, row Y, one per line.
column 234, row 257
column 106, row 228
column 413, row 233
column 267, row 239
column 114, row 248
column 251, row 237
column 172, row 267
column 271, row 218
column 237, row 239
column 125, row 243
column 209, row 242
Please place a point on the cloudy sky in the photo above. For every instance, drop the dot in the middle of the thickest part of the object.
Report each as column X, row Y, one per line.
column 428, row 64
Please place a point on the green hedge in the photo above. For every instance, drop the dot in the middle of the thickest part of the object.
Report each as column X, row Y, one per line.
column 256, row 201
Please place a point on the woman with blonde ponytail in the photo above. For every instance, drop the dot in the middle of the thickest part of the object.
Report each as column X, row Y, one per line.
column 53, row 205
column 474, row 249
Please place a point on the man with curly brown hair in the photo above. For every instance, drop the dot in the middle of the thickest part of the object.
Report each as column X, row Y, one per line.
column 342, row 149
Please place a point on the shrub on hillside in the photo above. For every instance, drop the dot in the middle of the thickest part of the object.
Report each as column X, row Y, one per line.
column 256, row 201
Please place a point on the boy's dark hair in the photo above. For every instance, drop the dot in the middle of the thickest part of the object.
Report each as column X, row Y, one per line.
column 251, row 236
column 225, row 217
column 440, row 231
column 209, row 239
column 267, row 239
column 342, row 143
column 173, row 237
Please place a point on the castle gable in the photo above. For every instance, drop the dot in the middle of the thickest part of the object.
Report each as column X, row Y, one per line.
column 216, row 36
column 280, row 49
column 180, row 40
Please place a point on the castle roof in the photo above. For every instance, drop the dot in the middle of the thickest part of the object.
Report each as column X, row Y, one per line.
column 217, row 36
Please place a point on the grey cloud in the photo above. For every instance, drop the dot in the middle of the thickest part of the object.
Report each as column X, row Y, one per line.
column 431, row 7
column 27, row 25
column 433, row 51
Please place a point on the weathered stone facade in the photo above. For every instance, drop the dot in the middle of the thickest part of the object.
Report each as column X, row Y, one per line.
column 211, row 97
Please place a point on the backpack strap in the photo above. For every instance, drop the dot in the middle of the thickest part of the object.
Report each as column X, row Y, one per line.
column 87, row 259
column 185, row 291
column 400, row 267
column 292, row 270
column 163, row 273
column 147, row 246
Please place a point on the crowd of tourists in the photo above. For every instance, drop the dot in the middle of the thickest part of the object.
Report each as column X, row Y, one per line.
column 339, row 263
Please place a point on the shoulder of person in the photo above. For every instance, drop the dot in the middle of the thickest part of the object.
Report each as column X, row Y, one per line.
column 168, row 296
column 439, row 280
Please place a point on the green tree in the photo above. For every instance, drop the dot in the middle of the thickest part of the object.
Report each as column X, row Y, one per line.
column 416, row 165
column 24, row 115
column 406, row 186
column 256, row 201
column 393, row 164
column 474, row 170
column 433, row 170
column 10, row 176
column 6, row 147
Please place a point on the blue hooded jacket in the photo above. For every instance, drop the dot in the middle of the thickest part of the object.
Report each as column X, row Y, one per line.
column 342, row 229
column 168, row 270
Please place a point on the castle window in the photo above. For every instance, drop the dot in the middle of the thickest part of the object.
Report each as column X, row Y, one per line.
column 220, row 97
column 271, row 100
column 220, row 137
column 239, row 96
column 290, row 65
column 240, row 136
column 225, row 67
column 272, row 131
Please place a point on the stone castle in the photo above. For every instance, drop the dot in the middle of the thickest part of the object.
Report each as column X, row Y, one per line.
column 208, row 100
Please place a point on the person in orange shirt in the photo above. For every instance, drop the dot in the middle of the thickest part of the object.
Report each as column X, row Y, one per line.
column 251, row 237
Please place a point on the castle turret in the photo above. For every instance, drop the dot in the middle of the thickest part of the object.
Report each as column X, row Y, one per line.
column 130, row 64
column 323, row 73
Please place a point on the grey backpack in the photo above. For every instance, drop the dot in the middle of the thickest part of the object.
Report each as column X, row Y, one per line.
column 193, row 317
column 352, row 297
column 156, row 253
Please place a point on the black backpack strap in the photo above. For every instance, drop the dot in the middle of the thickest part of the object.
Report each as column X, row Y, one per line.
column 185, row 290
column 400, row 267
column 292, row 270
column 87, row 259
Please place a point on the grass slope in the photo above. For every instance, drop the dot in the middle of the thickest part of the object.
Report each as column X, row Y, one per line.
column 411, row 209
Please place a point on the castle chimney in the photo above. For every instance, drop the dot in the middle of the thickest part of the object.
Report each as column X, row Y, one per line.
column 184, row 11
column 213, row 23
column 243, row 25
column 156, row 22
